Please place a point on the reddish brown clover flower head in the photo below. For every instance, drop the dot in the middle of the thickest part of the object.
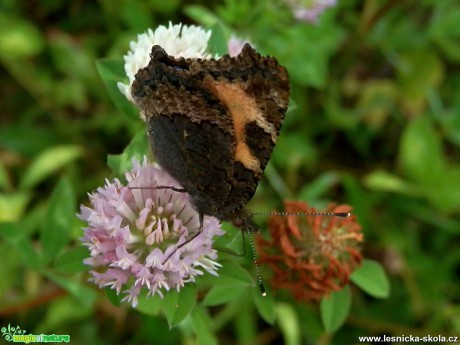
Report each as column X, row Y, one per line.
column 311, row 255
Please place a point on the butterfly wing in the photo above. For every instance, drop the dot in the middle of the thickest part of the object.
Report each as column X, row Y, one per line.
column 190, row 131
column 255, row 92
column 213, row 123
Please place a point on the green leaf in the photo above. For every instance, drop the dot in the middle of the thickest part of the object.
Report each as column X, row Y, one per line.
column 288, row 322
column 202, row 15
column 443, row 28
column 277, row 182
column 230, row 243
column 384, row 181
column 335, row 309
column 218, row 41
column 85, row 295
column 137, row 148
column 307, row 63
column 230, row 274
column 450, row 122
column 12, row 233
column 445, row 196
column 71, row 261
column 112, row 72
column 419, row 70
column 265, row 305
column 320, row 186
column 203, row 326
column 177, row 305
column 371, row 278
column 151, row 305
column 5, row 182
column 49, row 162
column 377, row 101
column 420, row 152
column 56, row 227
column 13, row 206
column 135, row 15
column 223, row 294
column 113, row 297
column 61, row 312
column 18, row 38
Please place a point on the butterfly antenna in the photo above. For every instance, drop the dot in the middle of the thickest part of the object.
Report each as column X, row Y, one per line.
column 320, row 214
column 259, row 276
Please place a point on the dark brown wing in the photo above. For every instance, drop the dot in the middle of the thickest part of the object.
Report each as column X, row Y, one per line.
column 190, row 131
column 213, row 123
column 255, row 91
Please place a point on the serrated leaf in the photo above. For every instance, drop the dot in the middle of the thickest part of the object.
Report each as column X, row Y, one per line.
column 71, row 261
column 177, row 305
column 335, row 309
column 55, row 230
column 265, row 305
column 371, row 278
column 288, row 322
column 48, row 162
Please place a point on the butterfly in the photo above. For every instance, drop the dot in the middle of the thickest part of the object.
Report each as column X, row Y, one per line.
column 213, row 124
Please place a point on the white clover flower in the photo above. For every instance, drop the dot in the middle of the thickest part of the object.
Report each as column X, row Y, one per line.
column 177, row 40
column 132, row 232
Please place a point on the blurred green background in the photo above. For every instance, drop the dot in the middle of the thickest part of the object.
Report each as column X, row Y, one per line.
column 374, row 123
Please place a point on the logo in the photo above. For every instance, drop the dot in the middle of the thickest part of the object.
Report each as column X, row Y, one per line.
column 213, row 124
column 18, row 335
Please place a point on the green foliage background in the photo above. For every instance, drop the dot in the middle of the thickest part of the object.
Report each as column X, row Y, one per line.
column 374, row 123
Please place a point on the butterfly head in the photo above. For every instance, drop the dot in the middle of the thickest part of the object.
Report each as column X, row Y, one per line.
column 243, row 220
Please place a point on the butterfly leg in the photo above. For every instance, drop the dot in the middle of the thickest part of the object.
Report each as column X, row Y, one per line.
column 176, row 189
column 179, row 190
